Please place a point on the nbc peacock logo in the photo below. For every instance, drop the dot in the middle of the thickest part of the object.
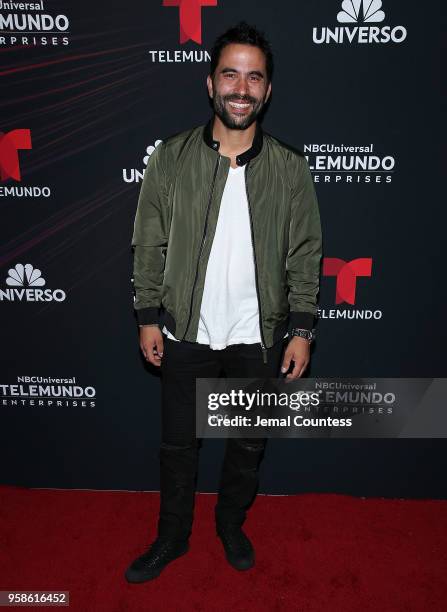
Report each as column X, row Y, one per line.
column 364, row 14
column 25, row 275
column 149, row 150
column 134, row 175
column 354, row 11
column 24, row 284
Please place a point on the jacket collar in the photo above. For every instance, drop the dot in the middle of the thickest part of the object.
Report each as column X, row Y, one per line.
column 244, row 157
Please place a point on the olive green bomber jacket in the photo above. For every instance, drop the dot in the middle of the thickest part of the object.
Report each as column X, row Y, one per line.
column 176, row 218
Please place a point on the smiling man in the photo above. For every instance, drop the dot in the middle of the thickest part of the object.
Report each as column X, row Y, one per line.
column 227, row 242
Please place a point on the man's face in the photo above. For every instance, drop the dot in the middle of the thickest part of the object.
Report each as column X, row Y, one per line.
column 239, row 87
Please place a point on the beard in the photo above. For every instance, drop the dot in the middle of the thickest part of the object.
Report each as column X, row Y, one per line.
column 234, row 122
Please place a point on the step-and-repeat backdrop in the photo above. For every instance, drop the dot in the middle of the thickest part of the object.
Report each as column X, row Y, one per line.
column 89, row 90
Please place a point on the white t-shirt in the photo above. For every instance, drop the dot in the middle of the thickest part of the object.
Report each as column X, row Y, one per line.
column 229, row 310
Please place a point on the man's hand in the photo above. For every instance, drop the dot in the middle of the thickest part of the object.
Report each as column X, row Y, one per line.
column 151, row 344
column 298, row 351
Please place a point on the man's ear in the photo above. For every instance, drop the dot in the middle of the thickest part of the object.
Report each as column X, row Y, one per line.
column 209, row 84
column 269, row 90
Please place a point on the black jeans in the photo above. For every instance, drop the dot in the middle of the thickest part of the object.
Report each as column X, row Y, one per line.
column 182, row 363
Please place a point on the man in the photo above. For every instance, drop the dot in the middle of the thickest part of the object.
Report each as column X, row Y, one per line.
column 227, row 244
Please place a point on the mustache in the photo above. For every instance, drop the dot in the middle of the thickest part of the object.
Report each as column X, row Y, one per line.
column 242, row 99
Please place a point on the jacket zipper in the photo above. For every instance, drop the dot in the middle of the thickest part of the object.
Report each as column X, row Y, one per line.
column 202, row 243
column 263, row 347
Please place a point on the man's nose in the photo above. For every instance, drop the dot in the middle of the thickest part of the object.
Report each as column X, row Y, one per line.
column 242, row 86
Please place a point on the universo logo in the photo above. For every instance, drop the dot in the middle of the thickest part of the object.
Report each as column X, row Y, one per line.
column 366, row 13
column 135, row 176
column 24, row 282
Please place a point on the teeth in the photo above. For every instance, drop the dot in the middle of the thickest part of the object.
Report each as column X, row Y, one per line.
column 238, row 105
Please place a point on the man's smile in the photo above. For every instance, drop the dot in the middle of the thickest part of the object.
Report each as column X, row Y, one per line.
column 239, row 107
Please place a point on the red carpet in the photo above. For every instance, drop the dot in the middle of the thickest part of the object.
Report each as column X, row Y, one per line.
column 314, row 553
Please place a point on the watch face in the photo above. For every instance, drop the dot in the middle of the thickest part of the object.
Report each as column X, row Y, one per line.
column 304, row 333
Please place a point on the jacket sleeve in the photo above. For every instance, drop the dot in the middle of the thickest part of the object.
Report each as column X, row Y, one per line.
column 305, row 249
column 150, row 239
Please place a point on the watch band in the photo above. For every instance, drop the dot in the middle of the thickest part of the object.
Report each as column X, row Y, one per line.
column 304, row 333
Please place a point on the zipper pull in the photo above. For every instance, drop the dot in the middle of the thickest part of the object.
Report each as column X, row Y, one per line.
column 264, row 353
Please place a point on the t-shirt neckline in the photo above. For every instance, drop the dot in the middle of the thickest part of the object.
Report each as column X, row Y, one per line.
column 237, row 168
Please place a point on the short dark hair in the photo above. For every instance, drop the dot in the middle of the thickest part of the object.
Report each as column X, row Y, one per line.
column 242, row 34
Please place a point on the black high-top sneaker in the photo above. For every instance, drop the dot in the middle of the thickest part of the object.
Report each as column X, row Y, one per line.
column 238, row 548
column 151, row 563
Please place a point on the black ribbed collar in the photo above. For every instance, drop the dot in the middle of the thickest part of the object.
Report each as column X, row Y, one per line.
column 244, row 157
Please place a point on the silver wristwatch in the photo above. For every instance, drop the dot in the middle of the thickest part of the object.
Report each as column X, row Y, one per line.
column 304, row 333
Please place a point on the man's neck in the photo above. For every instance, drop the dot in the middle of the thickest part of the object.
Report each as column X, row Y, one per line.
column 233, row 142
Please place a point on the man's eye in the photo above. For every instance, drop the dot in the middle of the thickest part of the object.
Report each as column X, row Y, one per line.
column 230, row 75
column 255, row 77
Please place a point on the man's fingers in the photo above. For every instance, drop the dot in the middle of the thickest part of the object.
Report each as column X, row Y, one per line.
column 152, row 352
column 151, row 344
column 298, row 370
column 155, row 358
column 159, row 347
column 303, row 369
column 286, row 362
column 294, row 373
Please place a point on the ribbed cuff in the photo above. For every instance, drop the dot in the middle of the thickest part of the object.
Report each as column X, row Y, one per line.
column 147, row 315
column 302, row 320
